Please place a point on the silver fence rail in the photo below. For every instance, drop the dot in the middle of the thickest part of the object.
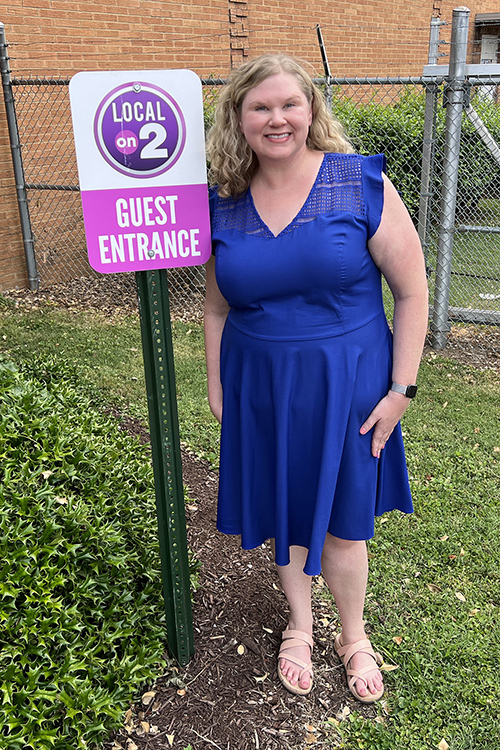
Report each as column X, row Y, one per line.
column 440, row 133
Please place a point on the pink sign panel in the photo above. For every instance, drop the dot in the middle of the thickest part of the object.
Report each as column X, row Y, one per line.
column 144, row 228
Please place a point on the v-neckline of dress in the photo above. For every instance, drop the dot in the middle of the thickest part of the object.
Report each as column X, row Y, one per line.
column 286, row 229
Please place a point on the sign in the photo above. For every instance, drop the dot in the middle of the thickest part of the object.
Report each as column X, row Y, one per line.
column 141, row 160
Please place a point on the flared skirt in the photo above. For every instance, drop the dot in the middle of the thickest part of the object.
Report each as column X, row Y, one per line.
column 293, row 464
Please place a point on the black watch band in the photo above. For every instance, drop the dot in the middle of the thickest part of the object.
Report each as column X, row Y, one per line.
column 410, row 391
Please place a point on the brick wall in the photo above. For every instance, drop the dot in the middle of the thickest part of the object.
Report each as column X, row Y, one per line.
column 61, row 37
column 361, row 38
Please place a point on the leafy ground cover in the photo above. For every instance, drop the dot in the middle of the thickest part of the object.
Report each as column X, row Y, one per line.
column 81, row 602
column 434, row 583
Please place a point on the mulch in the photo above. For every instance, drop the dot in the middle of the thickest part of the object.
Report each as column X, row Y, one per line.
column 229, row 696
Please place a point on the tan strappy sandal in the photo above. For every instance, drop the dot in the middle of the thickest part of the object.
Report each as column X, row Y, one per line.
column 345, row 654
column 292, row 639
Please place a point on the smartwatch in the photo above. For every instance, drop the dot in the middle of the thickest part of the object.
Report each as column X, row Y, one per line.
column 410, row 391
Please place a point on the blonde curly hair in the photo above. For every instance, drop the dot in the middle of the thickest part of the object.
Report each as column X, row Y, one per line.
column 232, row 161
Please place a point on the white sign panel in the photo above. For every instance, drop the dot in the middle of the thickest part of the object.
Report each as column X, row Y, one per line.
column 141, row 160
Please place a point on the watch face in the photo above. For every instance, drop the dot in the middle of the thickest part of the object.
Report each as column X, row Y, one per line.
column 411, row 391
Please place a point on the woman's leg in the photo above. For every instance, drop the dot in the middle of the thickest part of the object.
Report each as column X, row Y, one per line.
column 345, row 569
column 297, row 587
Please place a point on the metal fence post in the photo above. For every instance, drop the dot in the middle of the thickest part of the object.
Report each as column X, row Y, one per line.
column 454, row 100
column 429, row 140
column 15, row 145
column 326, row 68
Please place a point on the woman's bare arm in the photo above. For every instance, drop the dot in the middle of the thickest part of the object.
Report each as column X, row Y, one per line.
column 215, row 314
column 395, row 248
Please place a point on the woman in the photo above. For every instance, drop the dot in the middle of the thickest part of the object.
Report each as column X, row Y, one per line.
column 302, row 370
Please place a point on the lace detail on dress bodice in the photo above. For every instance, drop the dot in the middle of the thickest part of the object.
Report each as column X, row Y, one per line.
column 337, row 188
column 237, row 214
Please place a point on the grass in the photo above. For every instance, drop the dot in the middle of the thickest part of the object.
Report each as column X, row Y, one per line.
column 108, row 352
column 434, row 593
column 434, row 581
column 475, row 277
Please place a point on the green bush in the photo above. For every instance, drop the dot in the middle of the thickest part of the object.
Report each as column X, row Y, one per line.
column 397, row 130
column 479, row 173
column 81, row 600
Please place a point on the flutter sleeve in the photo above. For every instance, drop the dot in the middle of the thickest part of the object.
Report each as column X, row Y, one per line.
column 372, row 168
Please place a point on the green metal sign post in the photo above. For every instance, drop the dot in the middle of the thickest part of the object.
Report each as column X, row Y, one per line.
column 140, row 150
column 152, row 292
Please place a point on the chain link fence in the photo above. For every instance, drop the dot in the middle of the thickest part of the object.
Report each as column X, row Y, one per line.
column 405, row 118
column 51, row 180
column 44, row 123
column 390, row 116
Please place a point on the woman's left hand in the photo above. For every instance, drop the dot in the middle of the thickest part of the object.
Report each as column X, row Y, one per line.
column 383, row 420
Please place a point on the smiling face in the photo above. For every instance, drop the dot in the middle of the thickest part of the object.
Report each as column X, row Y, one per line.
column 275, row 118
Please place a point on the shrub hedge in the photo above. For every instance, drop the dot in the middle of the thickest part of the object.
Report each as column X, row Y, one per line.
column 81, row 600
column 398, row 130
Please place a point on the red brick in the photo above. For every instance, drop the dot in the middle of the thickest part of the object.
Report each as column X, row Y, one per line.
column 61, row 37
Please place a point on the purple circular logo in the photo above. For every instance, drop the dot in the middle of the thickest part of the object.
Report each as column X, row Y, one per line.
column 139, row 130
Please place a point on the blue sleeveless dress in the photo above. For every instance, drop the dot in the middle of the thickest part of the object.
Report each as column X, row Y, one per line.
column 306, row 354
